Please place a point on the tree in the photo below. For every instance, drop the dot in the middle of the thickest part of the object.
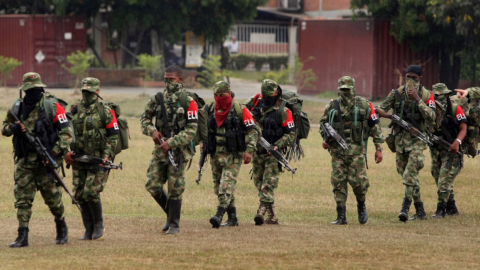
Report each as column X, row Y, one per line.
column 426, row 27
column 80, row 62
column 7, row 66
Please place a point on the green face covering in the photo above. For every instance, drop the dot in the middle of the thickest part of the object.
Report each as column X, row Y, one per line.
column 89, row 98
column 347, row 94
column 172, row 86
column 413, row 83
column 442, row 99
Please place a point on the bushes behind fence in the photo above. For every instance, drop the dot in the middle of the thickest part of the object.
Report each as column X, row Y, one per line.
column 275, row 60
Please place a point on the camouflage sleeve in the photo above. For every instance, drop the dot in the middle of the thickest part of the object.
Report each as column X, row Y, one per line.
column 6, row 131
column 65, row 132
column 388, row 103
column 252, row 131
column 474, row 92
column 112, row 134
column 289, row 128
column 376, row 134
column 146, row 120
column 428, row 112
column 185, row 136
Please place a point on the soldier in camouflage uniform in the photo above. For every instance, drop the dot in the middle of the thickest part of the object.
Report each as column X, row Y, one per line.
column 446, row 164
column 97, row 137
column 355, row 122
column 30, row 175
column 182, row 123
column 232, row 138
column 278, row 129
column 409, row 149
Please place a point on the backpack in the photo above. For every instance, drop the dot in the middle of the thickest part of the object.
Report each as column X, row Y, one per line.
column 202, row 129
column 472, row 112
column 294, row 103
column 48, row 101
column 124, row 135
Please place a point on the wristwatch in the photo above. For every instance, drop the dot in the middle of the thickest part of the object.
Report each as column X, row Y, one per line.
column 459, row 141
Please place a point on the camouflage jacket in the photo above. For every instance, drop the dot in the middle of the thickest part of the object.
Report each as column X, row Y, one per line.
column 183, row 138
column 251, row 132
column 404, row 140
column 474, row 93
column 364, row 120
column 60, row 125
column 92, row 137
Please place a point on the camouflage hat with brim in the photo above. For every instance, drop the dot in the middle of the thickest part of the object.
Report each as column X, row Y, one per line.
column 346, row 82
column 440, row 89
column 90, row 84
column 221, row 87
column 31, row 80
column 269, row 87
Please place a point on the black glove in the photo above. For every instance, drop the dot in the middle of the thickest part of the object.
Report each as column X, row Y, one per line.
column 16, row 129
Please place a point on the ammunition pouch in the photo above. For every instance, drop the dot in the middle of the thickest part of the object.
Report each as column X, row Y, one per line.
column 390, row 141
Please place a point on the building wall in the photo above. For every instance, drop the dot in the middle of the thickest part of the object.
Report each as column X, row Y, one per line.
column 311, row 5
column 335, row 4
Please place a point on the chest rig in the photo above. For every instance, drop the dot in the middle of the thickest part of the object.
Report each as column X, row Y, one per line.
column 352, row 124
column 231, row 134
column 402, row 105
column 90, row 132
column 272, row 129
column 175, row 116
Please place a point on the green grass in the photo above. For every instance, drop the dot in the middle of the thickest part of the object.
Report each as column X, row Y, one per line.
column 328, row 95
column 303, row 240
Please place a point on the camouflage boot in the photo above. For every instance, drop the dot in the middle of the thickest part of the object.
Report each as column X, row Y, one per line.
column 174, row 210
column 96, row 209
column 420, row 212
column 272, row 216
column 162, row 199
column 341, row 215
column 87, row 222
column 259, row 218
column 362, row 212
column 22, row 239
column 403, row 216
column 216, row 220
column 232, row 218
column 451, row 209
column 441, row 210
column 62, row 232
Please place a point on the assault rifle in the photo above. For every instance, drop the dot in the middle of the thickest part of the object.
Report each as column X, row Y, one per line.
column 277, row 155
column 201, row 162
column 328, row 133
column 96, row 160
column 396, row 120
column 446, row 145
column 47, row 160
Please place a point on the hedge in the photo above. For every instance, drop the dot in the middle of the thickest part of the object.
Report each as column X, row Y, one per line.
column 275, row 60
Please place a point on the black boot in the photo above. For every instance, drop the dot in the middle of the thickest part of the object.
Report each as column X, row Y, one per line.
column 341, row 217
column 62, row 232
column 259, row 218
column 441, row 210
column 362, row 212
column 420, row 212
column 403, row 216
column 162, row 199
column 217, row 219
column 87, row 222
column 174, row 209
column 451, row 209
column 22, row 239
column 96, row 209
column 232, row 218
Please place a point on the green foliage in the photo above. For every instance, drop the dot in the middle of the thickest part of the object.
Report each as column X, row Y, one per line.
column 151, row 64
column 79, row 63
column 301, row 78
column 281, row 77
column 211, row 74
column 275, row 60
column 7, row 66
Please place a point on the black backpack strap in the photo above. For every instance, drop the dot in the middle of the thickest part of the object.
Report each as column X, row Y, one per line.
column 101, row 112
column 340, row 118
column 405, row 108
column 164, row 114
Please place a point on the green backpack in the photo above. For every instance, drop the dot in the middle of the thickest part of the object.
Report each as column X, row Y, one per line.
column 48, row 104
column 124, row 135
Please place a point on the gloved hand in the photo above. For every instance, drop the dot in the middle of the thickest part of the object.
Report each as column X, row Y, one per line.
column 16, row 128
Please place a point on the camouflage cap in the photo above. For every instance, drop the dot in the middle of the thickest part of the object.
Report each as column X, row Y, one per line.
column 346, row 82
column 440, row 89
column 269, row 87
column 90, row 84
column 221, row 87
column 31, row 80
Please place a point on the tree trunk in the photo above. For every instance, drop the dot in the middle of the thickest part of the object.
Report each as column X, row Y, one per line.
column 445, row 67
column 137, row 48
column 123, row 53
column 158, row 49
column 456, row 67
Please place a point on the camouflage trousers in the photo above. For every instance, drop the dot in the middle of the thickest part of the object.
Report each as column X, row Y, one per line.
column 352, row 170
column 265, row 176
column 443, row 176
column 88, row 183
column 225, row 170
column 27, row 182
column 409, row 165
column 159, row 173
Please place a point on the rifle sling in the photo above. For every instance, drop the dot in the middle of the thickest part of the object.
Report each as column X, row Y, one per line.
column 164, row 114
column 340, row 118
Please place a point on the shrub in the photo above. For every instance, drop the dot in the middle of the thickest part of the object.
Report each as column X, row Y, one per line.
column 80, row 62
column 211, row 72
column 301, row 77
column 151, row 64
column 7, row 66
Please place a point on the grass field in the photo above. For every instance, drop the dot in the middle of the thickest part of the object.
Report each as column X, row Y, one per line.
column 303, row 240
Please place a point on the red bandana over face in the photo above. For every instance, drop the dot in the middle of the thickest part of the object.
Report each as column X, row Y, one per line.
column 223, row 104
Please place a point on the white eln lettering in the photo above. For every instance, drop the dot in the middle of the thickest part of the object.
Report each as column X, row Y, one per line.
column 461, row 116
column 192, row 115
column 431, row 103
column 115, row 126
column 249, row 122
column 290, row 124
column 62, row 118
column 374, row 117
